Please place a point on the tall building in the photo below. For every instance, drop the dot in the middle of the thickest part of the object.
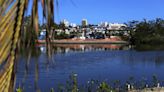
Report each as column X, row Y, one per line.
column 84, row 22
column 65, row 22
column 104, row 24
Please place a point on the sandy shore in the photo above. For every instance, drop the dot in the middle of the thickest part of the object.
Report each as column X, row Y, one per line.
column 87, row 41
column 156, row 89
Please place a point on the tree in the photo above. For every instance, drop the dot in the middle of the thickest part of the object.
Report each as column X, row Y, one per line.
column 149, row 32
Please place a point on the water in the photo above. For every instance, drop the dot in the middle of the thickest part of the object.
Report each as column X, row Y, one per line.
column 99, row 62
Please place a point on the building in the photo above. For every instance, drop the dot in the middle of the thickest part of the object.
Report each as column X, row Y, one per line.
column 84, row 22
column 42, row 35
column 73, row 25
column 65, row 22
column 104, row 24
column 116, row 26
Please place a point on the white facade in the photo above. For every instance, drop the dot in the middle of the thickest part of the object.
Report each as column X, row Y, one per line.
column 104, row 24
column 65, row 22
column 73, row 25
column 84, row 22
column 116, row 26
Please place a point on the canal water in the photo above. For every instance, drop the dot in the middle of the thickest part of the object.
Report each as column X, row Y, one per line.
column 89, row 62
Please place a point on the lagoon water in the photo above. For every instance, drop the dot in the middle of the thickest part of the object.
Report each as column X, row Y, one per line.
column 90, row 62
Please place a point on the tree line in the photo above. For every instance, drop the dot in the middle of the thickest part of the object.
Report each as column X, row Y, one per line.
column 146, row 31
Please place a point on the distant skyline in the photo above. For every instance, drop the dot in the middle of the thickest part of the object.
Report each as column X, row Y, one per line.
column 96, row 11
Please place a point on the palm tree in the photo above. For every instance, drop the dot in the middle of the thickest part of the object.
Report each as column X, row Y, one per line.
column 22, row 6
column 11, row 15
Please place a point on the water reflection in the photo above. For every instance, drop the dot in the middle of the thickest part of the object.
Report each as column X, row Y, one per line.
column 30, row 63
column 100, row 62
column 148, row 47
column 66, row 48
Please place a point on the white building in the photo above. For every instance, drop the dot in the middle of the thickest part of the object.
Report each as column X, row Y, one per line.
column 104, row 24
column 84, row 22
column 73, row 25
column 116, row 26
column 65, row 22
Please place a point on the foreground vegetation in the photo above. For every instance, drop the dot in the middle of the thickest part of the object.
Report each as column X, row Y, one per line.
column 72, row 85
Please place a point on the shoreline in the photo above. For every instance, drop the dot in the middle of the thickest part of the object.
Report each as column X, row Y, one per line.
column 153, row 89
column 87, row 41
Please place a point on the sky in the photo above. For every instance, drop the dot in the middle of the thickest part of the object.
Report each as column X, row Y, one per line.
column 114, row 11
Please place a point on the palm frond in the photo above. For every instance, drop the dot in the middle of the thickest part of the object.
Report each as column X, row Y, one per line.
column 35, row 15
column 4, row 5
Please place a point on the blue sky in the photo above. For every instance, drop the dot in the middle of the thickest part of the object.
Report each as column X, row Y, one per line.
column 108, row 10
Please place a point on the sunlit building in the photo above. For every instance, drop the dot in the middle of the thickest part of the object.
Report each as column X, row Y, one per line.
column 73, row 25
column 116, row 26
column 65, row 22
column 84, row 22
